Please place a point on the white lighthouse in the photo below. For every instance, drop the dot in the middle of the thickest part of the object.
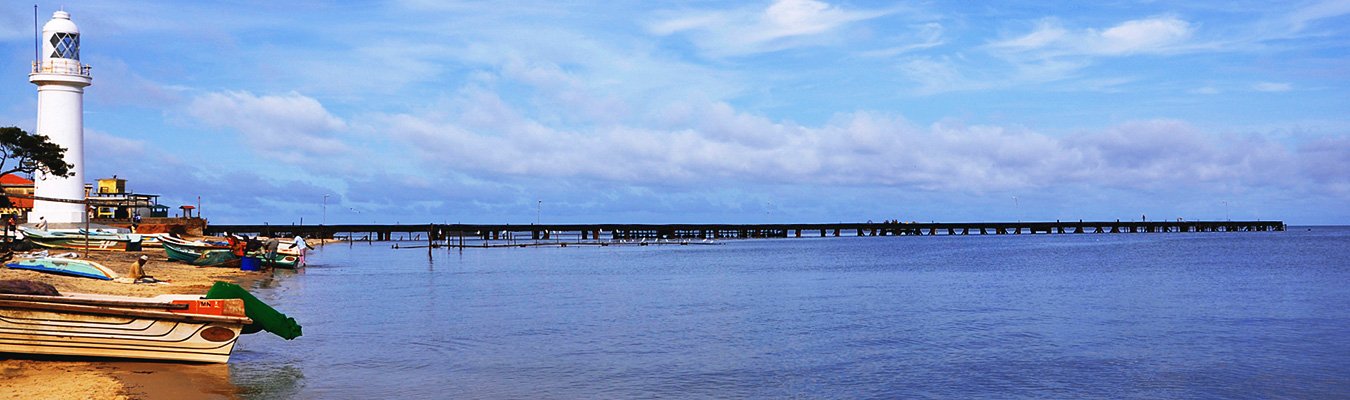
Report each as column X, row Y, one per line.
column 61, row 79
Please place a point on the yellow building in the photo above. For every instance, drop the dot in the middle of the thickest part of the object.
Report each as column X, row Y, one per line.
column 112, row 185
column 110, row 199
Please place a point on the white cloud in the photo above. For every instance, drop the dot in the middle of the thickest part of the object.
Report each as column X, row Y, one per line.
column 1047, row 33
column 289, row 127
column 754, row 30
column 936, row 75
column 1150, row 35
column 1272, row 87
column 715, row 145
column 1143, row 36
column 1302, row 17
column 925, row 36
column 114, row 145
column 1052, row 52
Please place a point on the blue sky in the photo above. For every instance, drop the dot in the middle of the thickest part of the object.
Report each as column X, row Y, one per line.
column 664, row 112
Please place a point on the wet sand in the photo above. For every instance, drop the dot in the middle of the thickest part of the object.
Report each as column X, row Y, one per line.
column 36, row 377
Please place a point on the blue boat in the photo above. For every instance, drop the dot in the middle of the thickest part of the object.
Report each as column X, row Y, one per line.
column 65, row 266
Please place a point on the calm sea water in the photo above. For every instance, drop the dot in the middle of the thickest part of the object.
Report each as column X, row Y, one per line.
column 1183, row 315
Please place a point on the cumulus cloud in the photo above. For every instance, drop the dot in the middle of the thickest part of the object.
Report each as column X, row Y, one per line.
column 1326, row 161
column 122, row 147
column 232, row 196
column 756, row 30
column 289, row 127
column 716, row 145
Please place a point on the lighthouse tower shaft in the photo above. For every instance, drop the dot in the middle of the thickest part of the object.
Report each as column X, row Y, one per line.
column 61, row 79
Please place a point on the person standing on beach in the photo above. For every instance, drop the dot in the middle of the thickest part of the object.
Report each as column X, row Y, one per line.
column 270, row 245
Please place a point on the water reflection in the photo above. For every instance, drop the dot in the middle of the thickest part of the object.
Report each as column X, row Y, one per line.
column 262, row 381
column 260, row 368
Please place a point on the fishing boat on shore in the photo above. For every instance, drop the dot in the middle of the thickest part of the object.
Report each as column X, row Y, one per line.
column 193, row 244
column 65, row 266
column 82, row 240
column 202, row 253
column 281, row 260
column 166, row 327
column 202, row 257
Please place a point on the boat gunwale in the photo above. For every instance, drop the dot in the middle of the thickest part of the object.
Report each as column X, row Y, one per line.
column 94, row 301
column 117, row 311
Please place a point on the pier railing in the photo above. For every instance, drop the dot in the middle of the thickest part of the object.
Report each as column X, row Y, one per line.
column 620, row 232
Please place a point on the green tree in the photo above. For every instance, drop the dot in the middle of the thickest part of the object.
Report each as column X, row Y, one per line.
column 31, row 153
column 25, row 153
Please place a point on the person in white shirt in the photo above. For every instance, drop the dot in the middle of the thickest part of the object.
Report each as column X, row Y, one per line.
column 300, row 246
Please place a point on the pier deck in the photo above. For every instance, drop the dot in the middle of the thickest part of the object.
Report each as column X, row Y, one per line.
column 618, row 232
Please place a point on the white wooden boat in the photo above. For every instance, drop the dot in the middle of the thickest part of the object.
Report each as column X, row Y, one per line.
column 81, row 240
column 166, row 327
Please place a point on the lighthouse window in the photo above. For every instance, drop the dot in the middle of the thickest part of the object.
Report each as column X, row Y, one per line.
column 66, row 45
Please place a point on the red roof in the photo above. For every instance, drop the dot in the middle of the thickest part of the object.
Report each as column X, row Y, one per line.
column 11, row 179
column 19, row 181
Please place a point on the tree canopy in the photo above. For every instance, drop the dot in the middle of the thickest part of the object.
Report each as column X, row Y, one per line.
column 30, row 153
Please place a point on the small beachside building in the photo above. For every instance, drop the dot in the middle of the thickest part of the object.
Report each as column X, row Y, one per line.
column 111, row 200
column 17, row 206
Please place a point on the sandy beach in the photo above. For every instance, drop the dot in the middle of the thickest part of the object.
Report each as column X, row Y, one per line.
column 40, row 377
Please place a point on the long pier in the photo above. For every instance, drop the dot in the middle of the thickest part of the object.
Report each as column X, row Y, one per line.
column 622, row 232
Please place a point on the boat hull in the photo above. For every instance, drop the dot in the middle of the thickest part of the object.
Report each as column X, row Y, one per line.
column 281, row 261
column 81, row 268
column 201, row 258
column 81, row 244
column 199, row 254
column 81, row 241
column 92, row 331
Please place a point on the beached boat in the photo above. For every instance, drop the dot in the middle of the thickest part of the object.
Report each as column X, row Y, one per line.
column 199, row 256
column 82, row 241
column 204, row 253
column 283, row 259
column 65, row 266
column 150, row 240
column 166, row 327
column 193, row 244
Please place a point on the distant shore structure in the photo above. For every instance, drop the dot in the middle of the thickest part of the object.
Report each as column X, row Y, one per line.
column 61, row 79
column 623, row 232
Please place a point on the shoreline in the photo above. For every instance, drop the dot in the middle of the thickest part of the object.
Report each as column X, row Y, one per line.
column 24, row 376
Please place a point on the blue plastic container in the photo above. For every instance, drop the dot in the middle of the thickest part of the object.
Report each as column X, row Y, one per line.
column 250, row 264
